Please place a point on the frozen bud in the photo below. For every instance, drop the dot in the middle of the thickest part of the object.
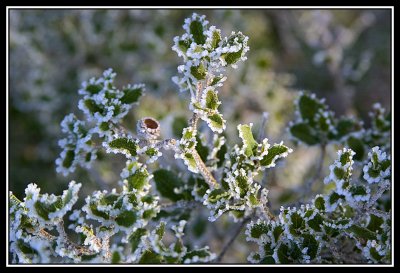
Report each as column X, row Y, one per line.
column 148, row 128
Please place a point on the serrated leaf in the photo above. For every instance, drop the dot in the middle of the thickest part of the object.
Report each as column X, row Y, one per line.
column 278, row 230
column 304, row 133
column 135, row 238
column 138, row 179
column 98, row 213
column 234, row 57
column 357, row 146
column 212, row 101
column 248, row 140
column 43, row 209
column 216, row 38
column 217, row 194
column 124, row 144
column 216, row 122
column 258, row 229
column 132, row 95
column 94, row 88
column 312, row 244
column 126, row 218
column 201, row 253
column 375, row 223
column 274, row 152
column 166, row 182
column 283, row 254
column 92, row 106
column 161, row 229
column 297, row 221
column 362, row 232
column 196, row 29
column 316, row 222
column 319, row 203
column 308, row 108
column 69, row 158
column 150, row 257
column 199, row 72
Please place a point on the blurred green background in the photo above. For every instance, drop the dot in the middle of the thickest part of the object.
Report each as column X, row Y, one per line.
column 343, row 55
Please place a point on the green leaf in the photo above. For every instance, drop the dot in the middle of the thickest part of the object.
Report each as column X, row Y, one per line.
column 26, row 248
column 297, row 221
column 243, row 184
column 375, row 223
column 216, row 38
column 116, row 257
column 126, row 218
column 135, row 238
column 215, row 80
column 166, row 182
column 126, row 144
column 304, row 133
column 92, row 106
column 201, row 149
column 308, row 108
column 334, row 197
column 150, row 257
column 178, row 125
column 138, row 180
column 233, row 57
column 345, row 126
column 258, row 229
column 212, row 101
column 131, row 95
column 362, row 232
column 249, row 142
column 278, row 230
column 217, row 194
column 357, row 146
column 221, row 155
column 275, row 152
column 312, row 244
column 216, row 122
column 358, row 190
column 319, row 203
column 316, row 222
column 199, row 227
column 94, row 88
column 201, row 253
column 98, row 213
column 199, row 72
column 161, row 229
column 69, row 159
column 44, row 209
column 283, row 254
column 196, row 29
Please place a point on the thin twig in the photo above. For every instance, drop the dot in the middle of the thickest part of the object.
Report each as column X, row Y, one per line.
column 317, row 175
column 261, row 131
column 230, row 242
column 207, row 175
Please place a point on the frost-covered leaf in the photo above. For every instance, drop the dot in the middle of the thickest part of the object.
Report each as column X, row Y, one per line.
column 249, row 143
column 150, row 257
column 304, row 133
column 168, row 184
column 274, row 153
column 362, row 232
column 138, row 180
column 123, row 145
column 132, row 94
